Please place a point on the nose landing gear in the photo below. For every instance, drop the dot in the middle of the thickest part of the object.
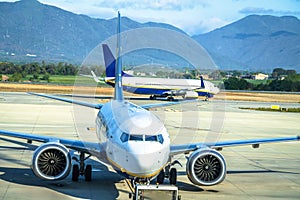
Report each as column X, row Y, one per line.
column 171, row 175
column 81, row 169
column 169, row 172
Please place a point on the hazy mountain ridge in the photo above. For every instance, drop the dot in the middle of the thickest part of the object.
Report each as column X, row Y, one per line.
column 29, row 27
column 256, row 42
column 49, row 33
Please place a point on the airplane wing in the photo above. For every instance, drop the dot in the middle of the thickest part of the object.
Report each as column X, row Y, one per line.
column 86, row 147
column 186, row 148
column 97, row 79
column 82, row 103
column 158, row 105
column 93, row 76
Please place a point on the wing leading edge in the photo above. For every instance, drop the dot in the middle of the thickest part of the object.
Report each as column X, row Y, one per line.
column 186, row 148
column 99, row 106
column 86, row 147
column 82, row 103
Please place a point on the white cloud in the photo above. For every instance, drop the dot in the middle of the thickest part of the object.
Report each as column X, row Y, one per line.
column 257, row 10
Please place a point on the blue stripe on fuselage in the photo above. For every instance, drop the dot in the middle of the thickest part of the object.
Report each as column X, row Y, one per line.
column 209, row 95
column 157, row 91
column 150, row 91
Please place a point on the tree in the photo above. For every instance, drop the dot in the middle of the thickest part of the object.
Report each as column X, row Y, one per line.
column 16, row 77
column 291, row 72
column 233, row 83
column 160, row 74
column 217, row 75
column 35, row 76
column 46, row 77
column 277, row 72
column 51, row 69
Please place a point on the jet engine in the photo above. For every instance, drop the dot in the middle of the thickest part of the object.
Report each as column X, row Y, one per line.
column 206, row 167
column 191, row 95
column 51, row 161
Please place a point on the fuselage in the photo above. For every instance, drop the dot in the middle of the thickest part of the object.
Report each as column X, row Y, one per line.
column 158, row 86
column 137, row 142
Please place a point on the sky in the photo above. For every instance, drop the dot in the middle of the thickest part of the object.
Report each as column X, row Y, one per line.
column 192, row 16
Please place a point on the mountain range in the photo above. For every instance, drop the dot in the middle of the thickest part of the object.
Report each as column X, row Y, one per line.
column 256, row 43
column 31, row 31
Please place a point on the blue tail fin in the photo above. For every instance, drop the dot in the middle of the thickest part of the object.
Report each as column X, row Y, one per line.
column 202, row 82
column 110, row 61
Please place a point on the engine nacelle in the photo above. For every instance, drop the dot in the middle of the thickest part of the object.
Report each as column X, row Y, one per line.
column 206, row 167
column 191, row 95
column 51, row 161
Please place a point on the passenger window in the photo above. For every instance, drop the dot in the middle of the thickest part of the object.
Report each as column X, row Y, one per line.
column 136, row 137
column 124, row 137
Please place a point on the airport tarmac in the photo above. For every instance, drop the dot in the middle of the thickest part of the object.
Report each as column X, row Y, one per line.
column 269, row 172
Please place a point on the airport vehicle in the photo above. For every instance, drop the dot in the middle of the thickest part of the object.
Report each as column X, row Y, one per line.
column 133, row 141
column 156, row 87
column 156, row 192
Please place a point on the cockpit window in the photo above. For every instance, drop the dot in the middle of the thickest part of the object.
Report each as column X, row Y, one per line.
column 124, row 137
column 156, row 138
column 150, row 137
column 136, row 137
column 160, row 138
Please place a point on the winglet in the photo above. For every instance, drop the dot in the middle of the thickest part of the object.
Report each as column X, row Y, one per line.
column 109, row 60
column 202, row 82
column 95, row 77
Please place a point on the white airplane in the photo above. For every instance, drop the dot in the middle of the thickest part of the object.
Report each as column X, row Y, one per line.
column 155, row 87
column 133, row 141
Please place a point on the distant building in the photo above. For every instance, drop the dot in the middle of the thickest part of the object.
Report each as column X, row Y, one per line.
column 205, row 76
column 281, row 77
column 260, row 76
column 247, row 76
column 4, row 78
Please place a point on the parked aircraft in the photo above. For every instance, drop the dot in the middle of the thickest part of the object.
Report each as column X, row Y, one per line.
column 156, row 87
column 133, row 141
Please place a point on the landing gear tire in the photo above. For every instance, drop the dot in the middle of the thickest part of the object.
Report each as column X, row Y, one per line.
column 206, row 98
column 160, row 177
column 173, row 176
column 88, row 173
column 75, row 173
column 170, row 98
column 152, row 97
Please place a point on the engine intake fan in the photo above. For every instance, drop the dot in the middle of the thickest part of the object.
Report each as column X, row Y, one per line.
column 51, row 161
column 206, row 167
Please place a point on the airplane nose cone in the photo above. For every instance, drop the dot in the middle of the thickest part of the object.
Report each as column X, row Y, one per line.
column 148, row 161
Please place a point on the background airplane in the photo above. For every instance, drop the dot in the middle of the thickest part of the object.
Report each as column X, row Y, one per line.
column 156, row 87
column 133, row 141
